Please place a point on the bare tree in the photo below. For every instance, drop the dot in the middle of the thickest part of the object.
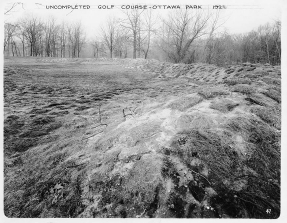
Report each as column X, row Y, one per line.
column 22, row 36
column 270, row 37
column 76, row 39
column 110, row 34
column 265, row 35
column 33, row 28
column 71, row 44
column 277, row 39
column 9, row 33
column 51, row 35
column 181, row 29
column 209, row 46
column 184, row 36
column 139, row 38
column 63, row 39
column 121, row 47
column 98, row 48
column 132, row 23
column 80, row 37
column 149, row 24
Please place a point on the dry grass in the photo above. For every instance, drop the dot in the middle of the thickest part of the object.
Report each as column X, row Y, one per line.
column 184, row 103
column 21, row 135
column 255, row 179
column 274, row 94
column 224, row 105
column 269, row 115
column 263, row 190
column 260, row 99
column 57, row 171
column 234, row 81
column 132, row 195
column 34, row 189
column 262, row 73
column 208, row 145
column 244, row 89
column 272, row 81
column 212, row 92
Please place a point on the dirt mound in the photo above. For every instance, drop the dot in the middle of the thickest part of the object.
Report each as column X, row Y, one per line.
column 141, row 138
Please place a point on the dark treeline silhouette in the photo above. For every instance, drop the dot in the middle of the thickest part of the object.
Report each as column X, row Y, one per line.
column 184, row 36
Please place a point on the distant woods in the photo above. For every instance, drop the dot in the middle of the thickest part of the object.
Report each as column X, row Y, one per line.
column 258, row 46
column 183, row 36
column 33, row 37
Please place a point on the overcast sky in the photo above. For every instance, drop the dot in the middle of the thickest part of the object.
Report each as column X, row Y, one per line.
column 240, row 16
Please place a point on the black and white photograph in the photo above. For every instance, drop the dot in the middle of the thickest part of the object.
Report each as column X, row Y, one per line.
column 148, row 109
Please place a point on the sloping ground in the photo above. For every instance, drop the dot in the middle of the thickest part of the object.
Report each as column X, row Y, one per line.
column 145, row 139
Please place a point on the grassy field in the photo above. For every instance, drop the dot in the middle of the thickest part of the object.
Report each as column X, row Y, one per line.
column 136, row 138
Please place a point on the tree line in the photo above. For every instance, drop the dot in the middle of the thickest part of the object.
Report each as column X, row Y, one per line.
column 33, row 37
column 257, row 46
column 183, row 36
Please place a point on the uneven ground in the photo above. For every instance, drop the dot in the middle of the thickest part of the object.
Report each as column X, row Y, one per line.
column 136, row 138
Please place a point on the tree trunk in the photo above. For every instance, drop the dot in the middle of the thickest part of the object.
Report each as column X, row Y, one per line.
column 111, row 52
column 139, row 43
column 31, row 49
column 78, row 48
column 267, row 49
column 135, row 45
column 278, row 50
column 12, row 49
column 147, row 49
column 8, row 47
column 23, row 45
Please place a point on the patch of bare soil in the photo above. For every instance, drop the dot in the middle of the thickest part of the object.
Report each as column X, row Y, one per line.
column 141, row 138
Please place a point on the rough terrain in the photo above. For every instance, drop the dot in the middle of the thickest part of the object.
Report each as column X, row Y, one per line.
column 141, row 138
